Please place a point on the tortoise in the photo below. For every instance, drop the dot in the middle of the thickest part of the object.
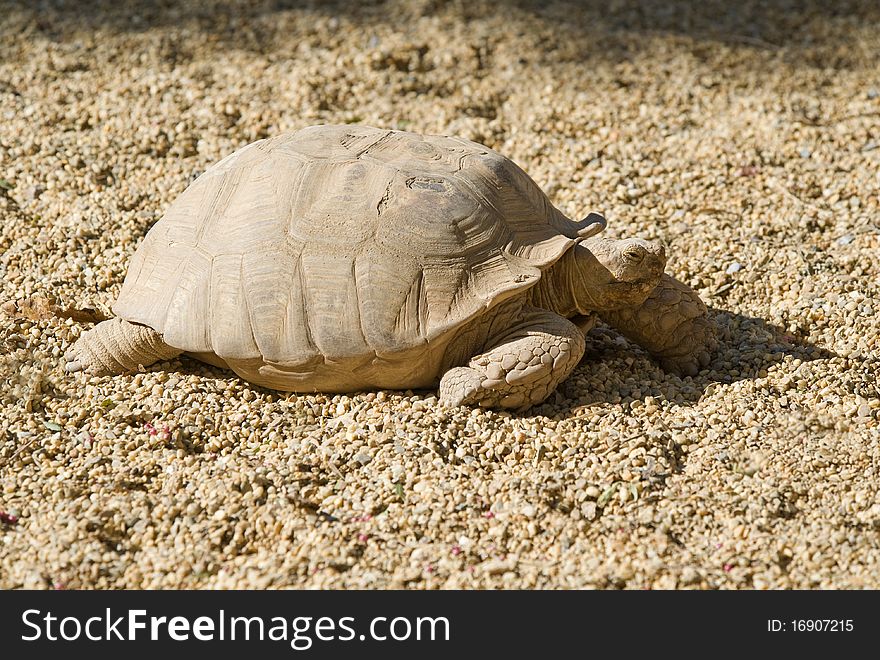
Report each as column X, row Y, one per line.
column 341, row 258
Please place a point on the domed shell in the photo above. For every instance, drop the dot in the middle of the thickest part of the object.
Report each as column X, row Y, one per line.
column 341, row 241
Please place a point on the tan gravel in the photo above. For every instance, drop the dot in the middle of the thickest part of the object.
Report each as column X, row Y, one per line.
column 746, row 135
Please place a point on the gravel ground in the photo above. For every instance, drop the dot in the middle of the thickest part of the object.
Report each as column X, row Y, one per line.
column 745, row 135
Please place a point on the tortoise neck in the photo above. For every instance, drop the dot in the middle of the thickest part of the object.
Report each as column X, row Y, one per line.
column 566, row 287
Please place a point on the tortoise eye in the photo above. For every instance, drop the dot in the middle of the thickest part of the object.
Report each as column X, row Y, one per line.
column 634, row 254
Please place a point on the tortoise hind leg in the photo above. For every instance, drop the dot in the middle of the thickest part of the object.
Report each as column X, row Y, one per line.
column 673, row 325
column 522, row 368
column 117, row 346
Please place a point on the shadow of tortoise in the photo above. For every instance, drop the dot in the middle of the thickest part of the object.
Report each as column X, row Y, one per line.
column 747, row 348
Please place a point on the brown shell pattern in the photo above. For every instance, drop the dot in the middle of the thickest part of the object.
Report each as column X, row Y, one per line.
column 341, row 241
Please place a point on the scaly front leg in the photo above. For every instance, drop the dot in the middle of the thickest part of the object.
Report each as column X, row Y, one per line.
column 523, row 366
column 672, row 324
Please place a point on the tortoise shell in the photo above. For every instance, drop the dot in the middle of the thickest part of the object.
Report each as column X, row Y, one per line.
column 339, row 242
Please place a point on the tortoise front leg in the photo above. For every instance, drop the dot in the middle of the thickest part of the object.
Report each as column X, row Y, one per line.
column 523, row 366
column 672, row 324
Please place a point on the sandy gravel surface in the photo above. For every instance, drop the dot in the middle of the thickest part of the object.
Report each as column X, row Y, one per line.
column 745, row 135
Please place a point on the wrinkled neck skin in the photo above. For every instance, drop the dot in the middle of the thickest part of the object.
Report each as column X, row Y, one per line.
column 571, row 287
column 599, row 275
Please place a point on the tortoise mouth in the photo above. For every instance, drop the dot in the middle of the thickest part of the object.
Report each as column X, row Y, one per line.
column 642, row 273
column 635, row 287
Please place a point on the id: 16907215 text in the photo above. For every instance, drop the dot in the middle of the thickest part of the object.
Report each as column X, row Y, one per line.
column 810, row 625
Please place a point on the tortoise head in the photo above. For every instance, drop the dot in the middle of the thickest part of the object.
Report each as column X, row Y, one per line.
column 621, row 273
